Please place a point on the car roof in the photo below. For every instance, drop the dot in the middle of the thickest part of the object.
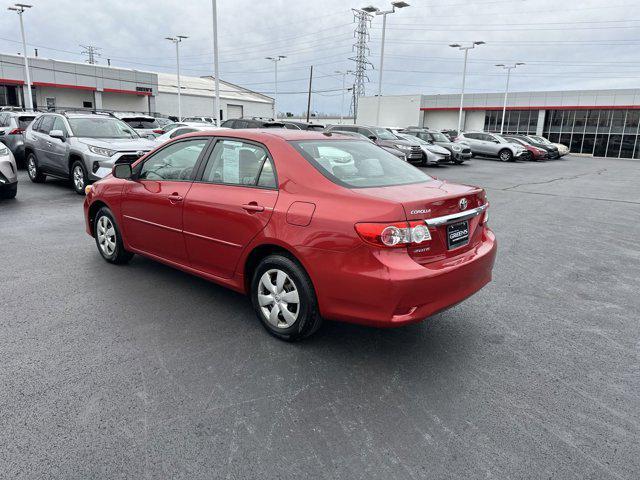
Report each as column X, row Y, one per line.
column 259, row 134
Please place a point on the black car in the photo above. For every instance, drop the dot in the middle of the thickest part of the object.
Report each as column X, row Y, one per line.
column 459, row 152
column 252, row 123
column 294, row 125
column 552, row 150
column 384, row 138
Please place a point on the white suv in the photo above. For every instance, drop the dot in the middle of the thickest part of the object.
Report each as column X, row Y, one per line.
column 491, row 145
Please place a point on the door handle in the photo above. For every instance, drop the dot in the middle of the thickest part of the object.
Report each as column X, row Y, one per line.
column 175, row 198
column 253, row 207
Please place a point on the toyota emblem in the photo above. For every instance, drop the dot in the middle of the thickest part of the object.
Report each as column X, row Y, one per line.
column 463, row 204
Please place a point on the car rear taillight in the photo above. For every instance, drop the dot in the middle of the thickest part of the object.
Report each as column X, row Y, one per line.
column 16, row 131
column 397, row 234
column 158, row 131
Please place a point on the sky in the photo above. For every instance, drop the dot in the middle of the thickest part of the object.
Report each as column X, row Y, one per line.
column 565, row 44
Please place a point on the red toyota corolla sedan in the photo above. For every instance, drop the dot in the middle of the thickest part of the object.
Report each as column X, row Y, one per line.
column 309, row 225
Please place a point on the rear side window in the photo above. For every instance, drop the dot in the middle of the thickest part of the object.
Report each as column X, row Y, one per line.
column 234, row 162
column 142, row 122
column 357, row 164
column 24, row 121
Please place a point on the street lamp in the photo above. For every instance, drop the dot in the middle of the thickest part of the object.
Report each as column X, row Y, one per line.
column 374, row 10
column 275, row 61
column 508, row 68
column 19, row 8
column 216, row 101
column 177, row 39
column 344, row 76
column 466, row 49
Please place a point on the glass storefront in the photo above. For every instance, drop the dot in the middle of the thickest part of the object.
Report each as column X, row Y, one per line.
column 602, row 133
column 515, row 121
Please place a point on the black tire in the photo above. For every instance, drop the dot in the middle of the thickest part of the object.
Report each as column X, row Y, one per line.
column 78, row 177
column 9, row 192
column 33, row 169
column 112, row 251
column 505, row 155
column 307, row 316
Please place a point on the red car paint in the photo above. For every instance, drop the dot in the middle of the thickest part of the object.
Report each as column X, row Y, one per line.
column 210, row 230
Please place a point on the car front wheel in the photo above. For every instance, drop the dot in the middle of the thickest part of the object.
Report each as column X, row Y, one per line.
column 35, row 175
column 79, row 177
column 506, row 155
column 284, row 299
column 109, row 239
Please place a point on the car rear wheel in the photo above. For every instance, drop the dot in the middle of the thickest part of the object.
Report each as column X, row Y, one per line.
column 79, row 177
column 109, row 239
column 35, row 175
column 505, row 155
column 284, row 299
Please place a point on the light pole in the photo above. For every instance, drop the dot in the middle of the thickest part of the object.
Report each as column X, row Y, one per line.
column 371, row 9
column 177, row 39
column 466, row 49
column 19, row 8
column 508, row 68
column 216, row 101
column 344, row 76
column 275, row 61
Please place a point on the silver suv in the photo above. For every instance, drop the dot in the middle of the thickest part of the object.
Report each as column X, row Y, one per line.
column 8, row 174
column 81, row 147
column 491, row 145
column 12, row 127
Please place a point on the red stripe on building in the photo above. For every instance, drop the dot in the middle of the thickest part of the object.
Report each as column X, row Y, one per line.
column 61, row 85
column 8, row 81
column 128, row 92
column 549, row 107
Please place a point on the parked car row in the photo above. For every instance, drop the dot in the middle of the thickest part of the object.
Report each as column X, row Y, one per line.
column 510, row 147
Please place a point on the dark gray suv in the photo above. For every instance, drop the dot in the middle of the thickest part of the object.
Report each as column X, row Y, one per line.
column 81, row 147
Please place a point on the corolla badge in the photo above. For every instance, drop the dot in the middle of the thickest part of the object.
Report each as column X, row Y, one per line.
column 462, row 204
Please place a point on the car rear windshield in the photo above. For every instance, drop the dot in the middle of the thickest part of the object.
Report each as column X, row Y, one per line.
column 142, row 122
column 357, row 164
column 101, row 128
column 25, row 120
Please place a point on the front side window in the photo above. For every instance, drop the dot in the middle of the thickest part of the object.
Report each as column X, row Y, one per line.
column 101, row 127
column 234, row 162
column 47, row 124
column 175, row 162
column 356, row 163
column 58, row 124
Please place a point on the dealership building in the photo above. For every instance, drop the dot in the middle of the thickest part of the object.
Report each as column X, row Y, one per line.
column 602, row 123
column 67, row 85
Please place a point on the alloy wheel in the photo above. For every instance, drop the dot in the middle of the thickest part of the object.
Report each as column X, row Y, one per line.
column 78, row 177
column 31, row 168
column 278, row 298
column 106, row 236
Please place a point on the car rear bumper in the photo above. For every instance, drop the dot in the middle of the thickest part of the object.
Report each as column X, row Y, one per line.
column 387, row 288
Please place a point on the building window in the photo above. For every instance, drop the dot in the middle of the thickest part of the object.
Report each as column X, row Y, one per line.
column 87, row 104
column 515, row 121
column 602, row 133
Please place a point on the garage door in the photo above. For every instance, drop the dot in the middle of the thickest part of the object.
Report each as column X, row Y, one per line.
column 234, row 111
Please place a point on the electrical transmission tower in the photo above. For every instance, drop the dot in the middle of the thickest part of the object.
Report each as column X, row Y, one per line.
column 91, row 52
column 362, row 20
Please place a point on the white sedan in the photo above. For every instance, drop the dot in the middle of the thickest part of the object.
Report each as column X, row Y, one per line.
column 182, row 129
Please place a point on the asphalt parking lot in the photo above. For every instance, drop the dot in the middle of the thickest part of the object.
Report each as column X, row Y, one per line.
column 145, row 372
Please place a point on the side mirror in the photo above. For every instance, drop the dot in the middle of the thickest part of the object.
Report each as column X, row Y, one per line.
column 122, row 170
column 59, row 134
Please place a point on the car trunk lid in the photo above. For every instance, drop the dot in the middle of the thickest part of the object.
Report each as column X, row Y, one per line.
column 429, row 202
